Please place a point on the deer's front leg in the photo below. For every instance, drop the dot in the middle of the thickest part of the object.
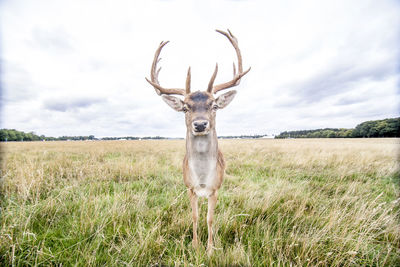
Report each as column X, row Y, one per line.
column 195, row 214
column 212, row 202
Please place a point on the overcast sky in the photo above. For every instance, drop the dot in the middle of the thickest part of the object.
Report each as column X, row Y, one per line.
column 78, row 67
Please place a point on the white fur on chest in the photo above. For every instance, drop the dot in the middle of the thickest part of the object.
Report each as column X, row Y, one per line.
column 202, row 167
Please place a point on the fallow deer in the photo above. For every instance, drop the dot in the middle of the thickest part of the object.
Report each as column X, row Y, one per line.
column 203, row 164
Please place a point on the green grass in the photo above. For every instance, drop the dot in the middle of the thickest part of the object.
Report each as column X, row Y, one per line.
column 283, row 202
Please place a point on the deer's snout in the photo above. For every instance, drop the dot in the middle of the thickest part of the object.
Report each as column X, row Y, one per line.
column 200, row 125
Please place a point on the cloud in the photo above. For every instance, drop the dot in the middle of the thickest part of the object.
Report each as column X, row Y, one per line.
column 63, row 105
column 338, row 80
column 54, row 39
column 17, row 82
column 349, row 100
column 314, row 64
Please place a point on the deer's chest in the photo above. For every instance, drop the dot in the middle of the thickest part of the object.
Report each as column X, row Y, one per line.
column 203, row 175
column 202, row 165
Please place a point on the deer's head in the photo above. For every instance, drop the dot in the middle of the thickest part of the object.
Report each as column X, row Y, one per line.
column 199, row 107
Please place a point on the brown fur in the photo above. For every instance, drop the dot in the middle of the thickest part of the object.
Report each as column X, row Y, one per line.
column 203, row 152
column 203, row 164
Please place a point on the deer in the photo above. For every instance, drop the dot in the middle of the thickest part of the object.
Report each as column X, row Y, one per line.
column 203, row 163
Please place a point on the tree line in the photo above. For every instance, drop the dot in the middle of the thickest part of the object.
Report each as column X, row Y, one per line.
column 376, row 128
column 14, row 135
column 133, row 138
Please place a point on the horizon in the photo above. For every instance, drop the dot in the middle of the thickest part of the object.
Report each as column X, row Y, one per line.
column 315, row 65
column 260, row 135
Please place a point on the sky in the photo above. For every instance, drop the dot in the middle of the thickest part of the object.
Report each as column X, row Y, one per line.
column 79, row 67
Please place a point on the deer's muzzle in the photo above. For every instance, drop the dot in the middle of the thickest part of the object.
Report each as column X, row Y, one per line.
column 200, row 126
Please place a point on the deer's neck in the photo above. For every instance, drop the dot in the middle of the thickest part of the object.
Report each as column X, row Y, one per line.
column 204, row 146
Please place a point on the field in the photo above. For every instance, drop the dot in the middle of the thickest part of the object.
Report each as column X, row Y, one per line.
column 308, row 202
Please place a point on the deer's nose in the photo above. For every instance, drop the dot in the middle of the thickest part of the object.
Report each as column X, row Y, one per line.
column 200, row 125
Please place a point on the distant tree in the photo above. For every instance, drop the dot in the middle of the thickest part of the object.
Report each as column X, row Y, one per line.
column 378, row 128
column 27, row 137
column 12, row 135
column 348, row 133
column 3, row 135
column 330, row 134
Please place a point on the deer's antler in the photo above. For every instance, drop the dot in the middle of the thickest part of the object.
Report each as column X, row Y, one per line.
column 154, row 77
column 236, row 76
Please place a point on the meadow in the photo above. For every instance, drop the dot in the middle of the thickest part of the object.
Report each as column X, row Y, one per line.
column 289, row 202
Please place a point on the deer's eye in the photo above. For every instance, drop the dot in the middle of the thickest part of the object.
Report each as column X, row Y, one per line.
column 185, row 109
column 215, row 107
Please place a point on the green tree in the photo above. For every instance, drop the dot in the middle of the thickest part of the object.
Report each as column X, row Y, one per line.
column 12, row 135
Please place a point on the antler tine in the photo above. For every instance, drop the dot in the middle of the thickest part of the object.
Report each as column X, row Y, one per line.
column 188, row 79
column 154, row 76
column 158, row 71
column 236, row 76
column 156, row 60
column 211, row 83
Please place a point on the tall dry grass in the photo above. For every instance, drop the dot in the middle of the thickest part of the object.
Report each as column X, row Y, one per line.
column 329, row 202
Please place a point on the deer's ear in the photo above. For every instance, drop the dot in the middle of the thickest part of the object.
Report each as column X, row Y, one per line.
column 224, row 99
column 173, row 102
